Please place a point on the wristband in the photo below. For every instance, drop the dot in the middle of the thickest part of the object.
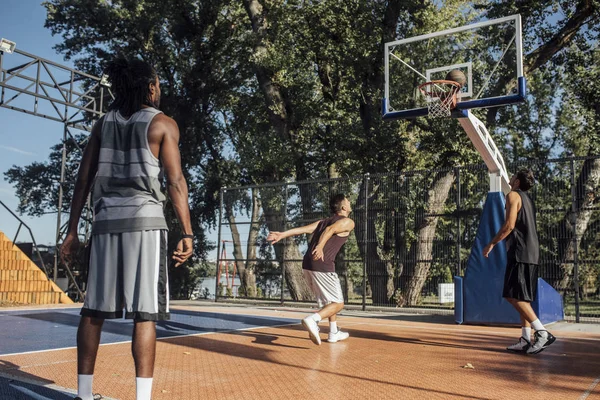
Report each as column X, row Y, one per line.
column 187, row 236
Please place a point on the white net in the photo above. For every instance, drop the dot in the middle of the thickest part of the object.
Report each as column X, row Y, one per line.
column 440, row 96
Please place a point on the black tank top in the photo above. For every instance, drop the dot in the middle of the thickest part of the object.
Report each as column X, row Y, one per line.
column 522, row 243
column 330, row 250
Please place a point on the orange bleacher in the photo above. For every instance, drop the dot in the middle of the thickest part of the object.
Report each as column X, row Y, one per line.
column 23, row 282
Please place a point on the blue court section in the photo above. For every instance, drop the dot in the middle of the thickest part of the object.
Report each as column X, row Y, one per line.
column 479, row 294
column 38, row 330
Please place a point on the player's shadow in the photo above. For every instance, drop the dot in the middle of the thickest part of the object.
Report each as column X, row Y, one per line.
column 425, row 318
column 250, row 320
column 490, row 344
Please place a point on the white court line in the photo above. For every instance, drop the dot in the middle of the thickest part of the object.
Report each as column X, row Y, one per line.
column 38, row 309
column 590, row 389
column 161, row 338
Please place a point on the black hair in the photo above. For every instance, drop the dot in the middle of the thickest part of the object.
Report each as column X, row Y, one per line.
column 335, row 203
column 526, row 179
column 130, row 80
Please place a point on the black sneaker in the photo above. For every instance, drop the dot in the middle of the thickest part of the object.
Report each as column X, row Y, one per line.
column 541, row 342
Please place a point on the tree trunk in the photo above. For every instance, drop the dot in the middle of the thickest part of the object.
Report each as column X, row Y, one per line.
column 280, row 112
column 379, row 272
column 277, row 106
column 237, row 242
column 437, row 197
column 249, row 276
column 286, row 250
column 577, row 222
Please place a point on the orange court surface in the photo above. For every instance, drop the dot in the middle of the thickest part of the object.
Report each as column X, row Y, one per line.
column 388, row 356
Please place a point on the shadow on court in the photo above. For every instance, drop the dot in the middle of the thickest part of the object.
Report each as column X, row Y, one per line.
column 21, row 389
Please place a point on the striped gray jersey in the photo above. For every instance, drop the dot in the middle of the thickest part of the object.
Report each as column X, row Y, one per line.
column 127, row 193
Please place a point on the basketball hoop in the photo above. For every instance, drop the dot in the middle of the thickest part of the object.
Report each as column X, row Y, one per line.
column 441, row 97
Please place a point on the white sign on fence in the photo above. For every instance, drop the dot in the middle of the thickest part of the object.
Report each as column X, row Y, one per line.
column 446, row 292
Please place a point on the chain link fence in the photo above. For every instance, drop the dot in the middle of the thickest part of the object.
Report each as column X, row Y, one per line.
column 413, row 233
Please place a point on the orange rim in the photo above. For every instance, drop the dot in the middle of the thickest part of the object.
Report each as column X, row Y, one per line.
column 453, row 90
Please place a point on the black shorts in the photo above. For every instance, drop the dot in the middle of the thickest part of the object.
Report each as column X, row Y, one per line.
column 520, row 281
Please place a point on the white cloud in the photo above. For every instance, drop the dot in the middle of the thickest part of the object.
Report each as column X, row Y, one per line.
column 15, row 150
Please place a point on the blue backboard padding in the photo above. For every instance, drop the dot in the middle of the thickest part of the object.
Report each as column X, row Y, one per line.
column 549, row 303
column 484, row 277
column 458, row 299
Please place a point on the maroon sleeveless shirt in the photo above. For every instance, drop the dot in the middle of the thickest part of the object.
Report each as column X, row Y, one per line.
column 330, row 250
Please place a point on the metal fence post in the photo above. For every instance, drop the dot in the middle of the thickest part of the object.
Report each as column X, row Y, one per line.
column 575, row 210
column 217, row 269
column 60, row 203
column 458, row 241
column 283, row 229
column 365, row 236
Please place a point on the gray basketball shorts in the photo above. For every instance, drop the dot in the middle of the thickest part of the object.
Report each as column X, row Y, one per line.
column 325, row 286
column 128, row 272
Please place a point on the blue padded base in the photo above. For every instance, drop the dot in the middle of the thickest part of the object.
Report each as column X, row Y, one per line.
column 481, row 298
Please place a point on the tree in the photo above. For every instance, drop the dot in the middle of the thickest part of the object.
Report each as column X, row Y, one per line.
column 267, row 91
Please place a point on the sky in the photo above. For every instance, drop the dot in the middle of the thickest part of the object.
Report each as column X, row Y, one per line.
column 24, row 138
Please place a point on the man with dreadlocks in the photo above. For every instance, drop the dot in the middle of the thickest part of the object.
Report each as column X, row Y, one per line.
column 129, row 149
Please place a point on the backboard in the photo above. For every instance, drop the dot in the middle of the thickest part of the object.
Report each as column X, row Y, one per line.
column 489, row 53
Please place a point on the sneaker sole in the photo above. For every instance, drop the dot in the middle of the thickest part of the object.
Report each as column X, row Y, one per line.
column 314, row 338
column 548, row 343
column 335, row 341
column 524, row 350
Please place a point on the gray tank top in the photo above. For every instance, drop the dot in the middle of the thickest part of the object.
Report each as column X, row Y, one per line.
column 127, row 192
column 522, row 243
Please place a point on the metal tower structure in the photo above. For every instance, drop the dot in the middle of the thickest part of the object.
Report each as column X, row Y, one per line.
column 39, row 87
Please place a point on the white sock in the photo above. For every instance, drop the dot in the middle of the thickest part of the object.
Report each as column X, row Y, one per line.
column 537, row 325
column 526, row 333
column 333, row 327
column 316, row 317
column 143, row 388
column 84, row 387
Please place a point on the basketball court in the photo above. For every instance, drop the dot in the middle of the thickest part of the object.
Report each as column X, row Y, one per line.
column 215, row 351
column 211, row 351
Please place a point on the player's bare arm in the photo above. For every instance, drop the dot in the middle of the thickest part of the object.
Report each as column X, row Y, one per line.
column 342, row 227
column 513, row 205
column 275, row 237
column 163, row 139
column 83, row 185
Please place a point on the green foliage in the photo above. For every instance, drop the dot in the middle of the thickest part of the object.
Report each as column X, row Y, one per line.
column 184, row 280
column 295, row 94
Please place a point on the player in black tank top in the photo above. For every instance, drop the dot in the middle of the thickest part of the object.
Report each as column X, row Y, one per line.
column 523, row 249
column 329, row 235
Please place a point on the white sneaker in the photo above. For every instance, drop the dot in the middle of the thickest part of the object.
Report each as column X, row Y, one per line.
column 522, row 345
column 543, row 339
column 337, row 336
column 313, row 330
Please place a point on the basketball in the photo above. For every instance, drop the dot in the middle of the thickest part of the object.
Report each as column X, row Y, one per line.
column 457, row 75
